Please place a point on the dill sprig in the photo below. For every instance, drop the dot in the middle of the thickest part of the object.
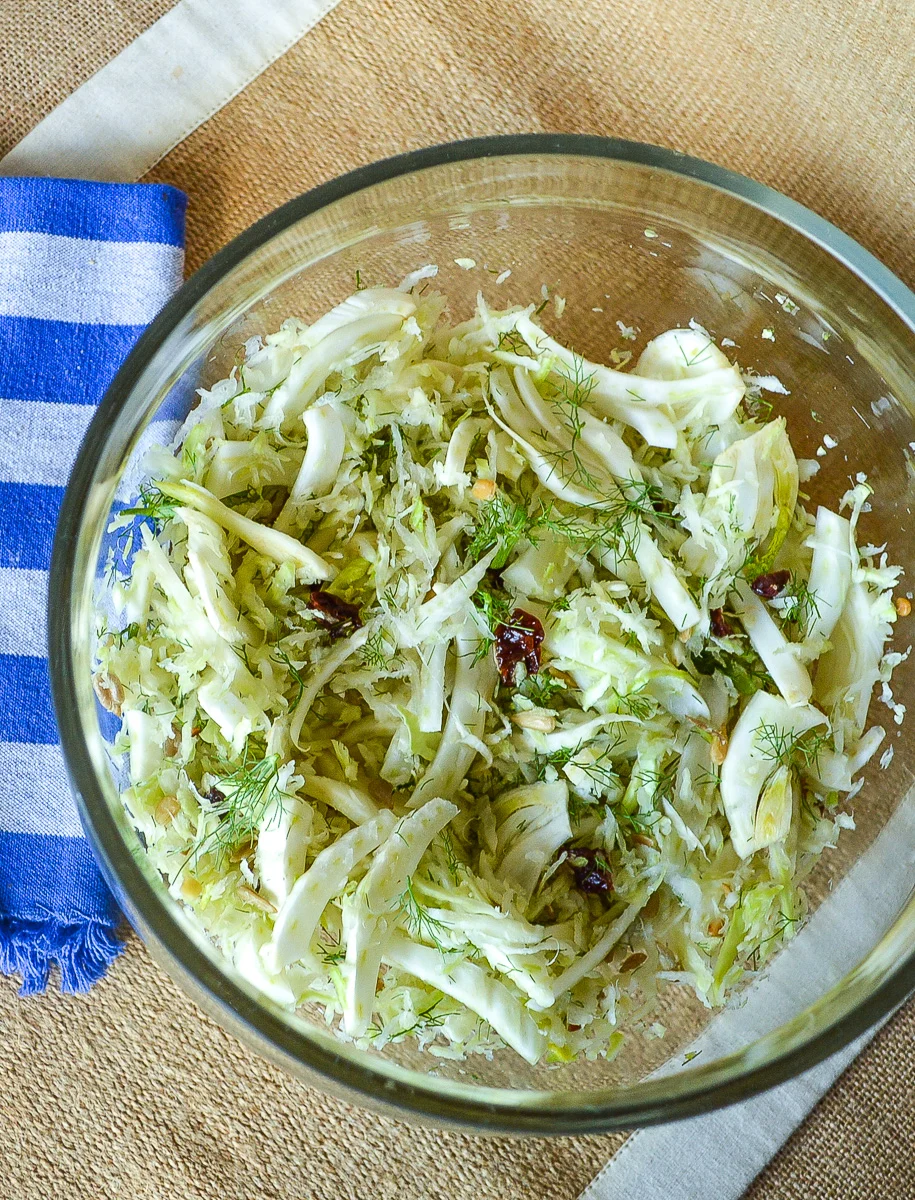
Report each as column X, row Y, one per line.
column 503, row 524
column 296, row 676
column 455, row 866
column 707, row 779
column 420, row 921
column 127, row 634
column 496, row 609
column 426, row 1018
column 639, row 822
column 785, row 748
column 379, row 651
column 634, row 704
column 240, row 801
column 744, row 669
column 541, row 689
column 660, row 780
column 698, row 355
column 614, row 526
column 569, row 392
column 333, row 953
column 599, row 770
column 757, row 406
column 801, row 606
column 511, row 342
column 782, row 926
column 154, row 505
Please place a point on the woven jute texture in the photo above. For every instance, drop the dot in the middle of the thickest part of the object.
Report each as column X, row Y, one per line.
column 49, row 47
column 816, row 99
column 131, row 1092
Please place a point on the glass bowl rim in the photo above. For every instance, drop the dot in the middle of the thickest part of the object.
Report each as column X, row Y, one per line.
column 590, row 1114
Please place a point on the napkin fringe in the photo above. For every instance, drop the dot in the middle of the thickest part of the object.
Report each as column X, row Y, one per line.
column 84, row 951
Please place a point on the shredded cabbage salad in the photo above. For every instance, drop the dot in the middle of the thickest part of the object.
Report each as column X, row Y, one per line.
column 472, row 690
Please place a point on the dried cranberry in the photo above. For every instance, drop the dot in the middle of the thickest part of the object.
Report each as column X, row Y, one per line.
column 518, row 642
column 338, row 615
column 768, row 586
column 720, row 626
column 591, row 871
column 215, row 796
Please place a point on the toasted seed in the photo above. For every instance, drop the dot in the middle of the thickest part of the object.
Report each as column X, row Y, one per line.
column 255, row 899
column 642, row 839
column 191, row 888
column 563, row 676
column 718, row 750
column 903, row 606
column 110, row 692
column 536, row 719
column 652, row 906
column 166, row 810
column 715, row 927
column 380, row 791
column 484, row 489
column 172, row 743
column 631, row 961
column 243, row 851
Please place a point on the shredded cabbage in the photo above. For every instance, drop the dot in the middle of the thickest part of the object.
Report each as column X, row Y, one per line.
column 473, row 691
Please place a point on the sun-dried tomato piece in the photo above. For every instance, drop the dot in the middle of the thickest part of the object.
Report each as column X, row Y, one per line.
column 720, row 626
column 591, row 871
column 768, row 586
column 338, row 615
column 518, row 641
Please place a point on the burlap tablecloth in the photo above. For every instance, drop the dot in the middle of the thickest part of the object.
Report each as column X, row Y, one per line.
column 130, row 1092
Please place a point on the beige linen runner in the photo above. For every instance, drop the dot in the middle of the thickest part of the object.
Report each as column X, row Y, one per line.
column 130, row 1091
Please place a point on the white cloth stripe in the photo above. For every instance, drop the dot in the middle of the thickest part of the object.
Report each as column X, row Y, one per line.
column 34, row 794
column 171, row 79
column 714, row 1156
column 38, row 440
column 58, row 278
column 23, row 595
column 722, row 1153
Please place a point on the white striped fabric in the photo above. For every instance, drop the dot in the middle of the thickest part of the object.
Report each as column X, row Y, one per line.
column 22, row 600
column 58, row 278
column 48, row 809
column 83, row 267
column 54, row 429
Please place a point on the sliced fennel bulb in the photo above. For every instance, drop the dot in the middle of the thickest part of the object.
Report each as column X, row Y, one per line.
column 465, row 682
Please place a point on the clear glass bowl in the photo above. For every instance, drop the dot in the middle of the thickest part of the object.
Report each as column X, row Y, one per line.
column 622, row 231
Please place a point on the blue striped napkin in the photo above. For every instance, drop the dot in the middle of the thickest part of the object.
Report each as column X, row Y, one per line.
column 84, row 267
